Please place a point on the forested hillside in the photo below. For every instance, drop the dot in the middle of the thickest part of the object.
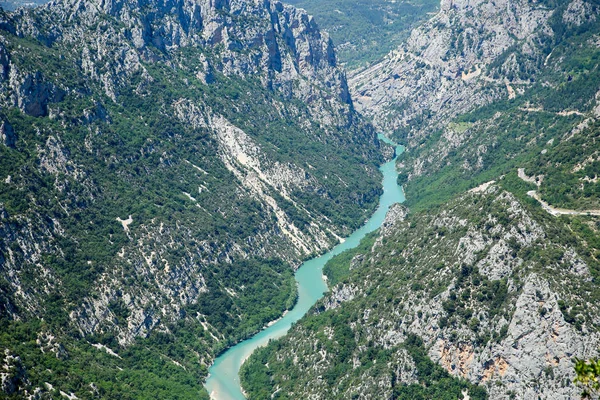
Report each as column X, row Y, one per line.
column 164, row 167
column 490, row 287
column 546, row 125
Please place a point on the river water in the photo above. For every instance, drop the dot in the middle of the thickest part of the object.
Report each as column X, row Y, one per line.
column 223, row 382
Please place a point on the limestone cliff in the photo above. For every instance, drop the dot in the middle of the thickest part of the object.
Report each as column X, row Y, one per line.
column 469, row 54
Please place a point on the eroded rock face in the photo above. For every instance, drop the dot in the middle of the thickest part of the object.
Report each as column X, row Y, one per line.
column 452, row 63
column 537, row 348
column 396, row 214
column 539, row 344
column 4, row 62
column 282, row 45
column 13, row 375
column 32, row 94
column 579, row 12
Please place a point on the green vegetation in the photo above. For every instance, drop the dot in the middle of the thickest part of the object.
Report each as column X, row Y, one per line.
column 338, row 267
column 588, row 376
column 460, row 127
column 168, row 365
column 472, row 286
column 143, row 369
column 570, row 171
column 513, row 140
column 262, row 372
column 268, row 290
column 531, row 131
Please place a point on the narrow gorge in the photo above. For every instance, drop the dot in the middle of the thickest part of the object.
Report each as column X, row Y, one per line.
column 223, row 382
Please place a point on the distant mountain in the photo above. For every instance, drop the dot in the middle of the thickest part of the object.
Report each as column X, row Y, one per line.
column 164, row 166
column 472, row 54
column 482, row 89
column 11, row 5
column 365, row 31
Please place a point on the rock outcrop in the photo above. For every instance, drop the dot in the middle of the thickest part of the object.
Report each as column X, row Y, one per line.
column 281, row 45
column 7, row 134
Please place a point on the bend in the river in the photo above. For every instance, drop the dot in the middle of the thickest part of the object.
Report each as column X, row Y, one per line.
column 223, row 382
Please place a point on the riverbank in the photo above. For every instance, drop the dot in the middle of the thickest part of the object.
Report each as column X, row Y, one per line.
column 223, row 382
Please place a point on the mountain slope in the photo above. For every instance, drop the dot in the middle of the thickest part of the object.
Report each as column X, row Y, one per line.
column 501, row 293
column 483, row 97
column 165, row 166
column 472, row 54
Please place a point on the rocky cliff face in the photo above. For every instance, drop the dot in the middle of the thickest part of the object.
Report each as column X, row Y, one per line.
column 471, row 53
column 485, row 88
column 498, row 292
column 280, row 44
column 161, row 161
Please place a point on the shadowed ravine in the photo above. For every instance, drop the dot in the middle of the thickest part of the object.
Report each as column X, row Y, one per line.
column 223, row 382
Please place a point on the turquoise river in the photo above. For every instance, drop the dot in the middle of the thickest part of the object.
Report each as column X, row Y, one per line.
column 223, row 382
